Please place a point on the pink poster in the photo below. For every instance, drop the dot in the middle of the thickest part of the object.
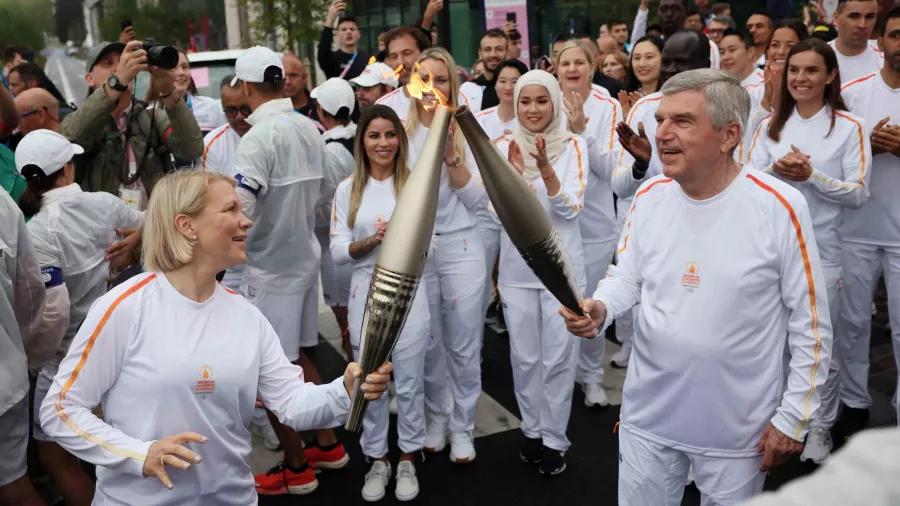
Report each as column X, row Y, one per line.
column 498, row 12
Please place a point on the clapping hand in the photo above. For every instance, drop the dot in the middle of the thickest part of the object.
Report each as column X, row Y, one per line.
column 637, row 144
column 515, row 157
column 886, row 138
column 574, row 105
column 794, row 166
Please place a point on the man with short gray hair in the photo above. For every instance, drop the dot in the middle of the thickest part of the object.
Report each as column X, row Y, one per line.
column 725, row 265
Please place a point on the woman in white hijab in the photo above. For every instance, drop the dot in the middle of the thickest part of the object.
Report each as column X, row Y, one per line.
column 544, row 355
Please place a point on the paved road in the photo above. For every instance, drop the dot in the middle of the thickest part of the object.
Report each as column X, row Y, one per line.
column 67, row 74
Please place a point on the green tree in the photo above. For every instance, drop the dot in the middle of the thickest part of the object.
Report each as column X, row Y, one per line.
column 25, row 22
column 166, row 20
column 285, row 23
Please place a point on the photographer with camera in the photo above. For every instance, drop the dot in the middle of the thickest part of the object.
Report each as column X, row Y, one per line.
column 127, row 148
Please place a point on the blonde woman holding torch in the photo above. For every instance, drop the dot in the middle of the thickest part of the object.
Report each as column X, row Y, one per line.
column 177, row 361
column 455, row 273
column 544, row 355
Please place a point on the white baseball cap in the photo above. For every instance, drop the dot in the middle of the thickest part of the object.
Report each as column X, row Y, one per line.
column 43, row 153
column 255, row 66
column 334, row 94
column 376, row 73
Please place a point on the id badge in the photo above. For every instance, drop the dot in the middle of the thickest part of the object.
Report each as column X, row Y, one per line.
column 132, row 198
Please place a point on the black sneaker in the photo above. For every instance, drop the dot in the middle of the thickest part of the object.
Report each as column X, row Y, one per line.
column 553, row 462
column 851, row 421
column 532, row 451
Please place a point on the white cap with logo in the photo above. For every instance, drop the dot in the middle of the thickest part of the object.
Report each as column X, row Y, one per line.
column 376, row 73
column 334, row 94
column 255, row 66
column 43, row 153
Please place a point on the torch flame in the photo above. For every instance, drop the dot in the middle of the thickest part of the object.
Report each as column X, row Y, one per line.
column 418, row 88
column 388, row 75
column 372, row 60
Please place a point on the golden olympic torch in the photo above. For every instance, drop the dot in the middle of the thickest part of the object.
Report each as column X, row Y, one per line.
column 401, row 258
column 524, row 220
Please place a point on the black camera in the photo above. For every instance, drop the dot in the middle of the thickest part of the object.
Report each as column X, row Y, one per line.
column 158, row 55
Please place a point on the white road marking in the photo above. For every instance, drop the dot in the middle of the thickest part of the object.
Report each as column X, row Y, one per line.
column 64, row 80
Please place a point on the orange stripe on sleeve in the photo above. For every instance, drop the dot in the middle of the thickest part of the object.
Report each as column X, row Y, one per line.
column 211, row 142
column 756, row 136
column 862, row 144
column 857, row 81
column 634, row 206
column 612, row 131
column 814, row 312
column 61, row 412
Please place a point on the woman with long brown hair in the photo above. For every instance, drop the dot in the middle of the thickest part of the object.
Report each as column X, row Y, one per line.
column 814, row 144
column 455, row 273
column 362, row 210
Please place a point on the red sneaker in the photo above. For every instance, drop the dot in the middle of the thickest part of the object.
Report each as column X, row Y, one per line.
column 281, row 480
column 336, row 458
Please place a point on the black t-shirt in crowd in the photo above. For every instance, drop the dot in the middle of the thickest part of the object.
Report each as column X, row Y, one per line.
column 611, row 85
column 333, row 63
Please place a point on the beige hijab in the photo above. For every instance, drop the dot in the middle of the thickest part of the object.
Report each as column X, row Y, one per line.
column 556, row 136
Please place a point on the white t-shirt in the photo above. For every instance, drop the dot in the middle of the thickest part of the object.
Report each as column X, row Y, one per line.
column 563, row 209
column 755, row 79
column 598, row 218
column 456, row 209
column 397, row 100
column 339, row 165
column 375, row 210
column 878, row 220
column 841, row 169
column 472, row 94
column 863, row 64
column 493, row 126
column 71, row 233
column 160, row 364
column 280, row 165
column 722, row 283
column 219, row 150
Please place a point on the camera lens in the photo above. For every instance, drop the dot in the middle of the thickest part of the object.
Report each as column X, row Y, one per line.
column 165, row 57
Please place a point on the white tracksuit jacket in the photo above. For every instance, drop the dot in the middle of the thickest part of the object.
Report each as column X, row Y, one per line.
column 722, row 283
column 161, row 364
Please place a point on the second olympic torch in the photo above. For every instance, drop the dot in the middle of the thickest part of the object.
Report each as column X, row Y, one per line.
column 524, row 220
column 400, row 262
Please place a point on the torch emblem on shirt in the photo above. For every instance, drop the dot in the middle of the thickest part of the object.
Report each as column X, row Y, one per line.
column 205, row 383
column 690, row 280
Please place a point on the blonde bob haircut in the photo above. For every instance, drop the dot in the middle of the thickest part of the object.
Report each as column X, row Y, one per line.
column 579, row 44
column 164, row 247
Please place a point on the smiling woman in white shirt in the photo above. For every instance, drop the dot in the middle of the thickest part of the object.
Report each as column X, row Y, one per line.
column 454, row 275
column 362, row 210
column 594, row 117
column 544, row 355
column 71, row 230
column 177, row 362
column 815, row 145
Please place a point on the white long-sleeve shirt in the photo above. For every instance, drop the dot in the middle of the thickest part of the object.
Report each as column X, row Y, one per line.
column 563, row 208
column 279, row 167
column 841, row 169
column 375, row 210
column 598, row 218
column 161, row 364
column 397, row 100
column 21, row 301
column 863, row 64
column 220, row 148
column 493, row 126
column 878, row 220
column 457, row 209
column 722, row 283
column 339, row 165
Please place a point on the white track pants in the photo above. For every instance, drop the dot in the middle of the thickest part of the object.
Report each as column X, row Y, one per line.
column 862, row 264
column 654, row 475
column 490, row 239
column 454, row 279
column 408, row 358
column 597, row 257
column 544, row 357
column 829, row 394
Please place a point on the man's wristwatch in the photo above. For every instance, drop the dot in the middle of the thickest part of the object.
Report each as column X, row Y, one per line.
column 114, row 83
column 456, row 162
column 639, row 169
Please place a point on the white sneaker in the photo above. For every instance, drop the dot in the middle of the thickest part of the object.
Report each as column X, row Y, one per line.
column 435, row 438
column 818, row 445
column 594, row 395
column 620, row 359
column 407, row 485
column 267, row 433
column 462, row 448
column 376, row 480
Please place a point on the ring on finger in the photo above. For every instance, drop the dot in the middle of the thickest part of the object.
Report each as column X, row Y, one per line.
column 161, row 461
